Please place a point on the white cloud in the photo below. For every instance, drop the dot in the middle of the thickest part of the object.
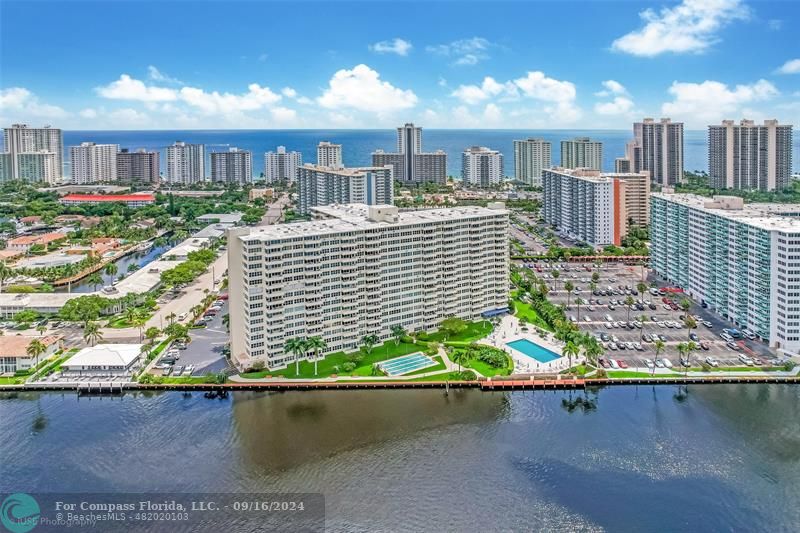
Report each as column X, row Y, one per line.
column 156, row 75
column 790, row 67
column 283, row 114
column 19, row 103
column 361, row 88
column 288, row 92
column 712, row 101
column 88, row 113
column 691, row 26
column 127, row 88
column 126, row 117
column 256, row 97
column 611, row 87
column 620, row 105
column 489, row 88
column 464, row 51
column 394, row 46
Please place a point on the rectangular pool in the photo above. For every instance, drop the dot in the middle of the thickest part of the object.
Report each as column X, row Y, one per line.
column 405, row 364
column 533, row 350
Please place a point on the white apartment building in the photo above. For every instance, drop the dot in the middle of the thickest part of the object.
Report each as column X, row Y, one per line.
column 410, row 163
column 657, row 147
column 582, row 152
column 93, row 163
column 281, row 165
column 186, row 163
column 329, row 155
column 233, row 166
column 585, row 205
column 531, row 156
column 360, row 270
column 21, row 139
column 742, row 260
column 317, row 185
column 750, row 156
column 481, row 167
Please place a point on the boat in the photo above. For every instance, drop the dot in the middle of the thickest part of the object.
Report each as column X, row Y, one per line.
column 143, row 247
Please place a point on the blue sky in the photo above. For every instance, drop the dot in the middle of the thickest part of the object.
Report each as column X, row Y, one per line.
column 207, row 64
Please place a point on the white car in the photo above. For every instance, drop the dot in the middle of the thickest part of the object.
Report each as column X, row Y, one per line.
column 182, row 317
column 613, row 363
column 649, row 363
column 712, row 362
column 587, row 319
column 666, row 362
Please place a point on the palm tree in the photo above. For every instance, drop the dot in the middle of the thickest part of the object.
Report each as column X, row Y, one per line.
column 226, row 321
column 555, row 273
column 641, row 287
column 111, row 270
column 690, row 324
column 131, row 313
column 152, row 333
column 629, row 301
column 460, row 357
column 5, row 273
column 139, row 322
column 690, row 347
column 659, row 346
column 171, row 317
column 316, row 344
column 41, row 328
column 592, row 286
column 593, row 350
column 95, row 280
column 196, row 310
column 35, row 349
column 92, row 332
column 297, row 347
column 369, row 341
column 570, row 349
column 642, row 319
column 578, row 303
column 569, row 287
column 398, row 333
column 682, row 352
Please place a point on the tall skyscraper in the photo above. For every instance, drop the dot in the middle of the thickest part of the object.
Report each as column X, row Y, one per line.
column 317, row 185
column 281, row 165
column 22, row 139
column 410, row 163
column 358, row 270
column 582, row 152
column 93, row 163
column 233, row 166
column 658, row 148
column 481, row 166
column 749, row 156
column 531, row 156
column 329, row 155
column 186, row 163
column 141, row 166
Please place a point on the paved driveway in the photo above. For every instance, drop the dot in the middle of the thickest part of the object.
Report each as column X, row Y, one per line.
column 205, row 349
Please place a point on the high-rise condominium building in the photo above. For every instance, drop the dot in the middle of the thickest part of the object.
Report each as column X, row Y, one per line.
column 317, row 185
column 233, row 166
column 329, row 155
column 481, row 166
column 592, row 206
column 657, row 147
column 93, row 163
column 361, row 270
column 750, row 156
column 186, row 163
column 410, row 163
column 740, row 259
column 531, row 156
column 141, row 166
column 582, row 152
column 281, row 165
column 21, row 139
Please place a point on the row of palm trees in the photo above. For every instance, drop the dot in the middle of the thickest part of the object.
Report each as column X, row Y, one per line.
column 300, row 346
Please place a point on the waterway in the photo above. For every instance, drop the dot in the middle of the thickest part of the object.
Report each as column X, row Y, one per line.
column 664, row 458
column 140, row 259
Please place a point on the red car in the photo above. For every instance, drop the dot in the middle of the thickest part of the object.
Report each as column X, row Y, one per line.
column 666, row 300
column 622, row 364
column 223, row 296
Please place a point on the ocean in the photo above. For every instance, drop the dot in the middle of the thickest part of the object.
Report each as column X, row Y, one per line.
column 358, row 145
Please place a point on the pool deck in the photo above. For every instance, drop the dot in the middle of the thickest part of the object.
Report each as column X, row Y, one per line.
column 510, row 330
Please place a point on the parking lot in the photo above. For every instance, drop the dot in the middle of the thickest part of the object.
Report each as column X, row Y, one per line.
column 628, row 333
column 205, row 350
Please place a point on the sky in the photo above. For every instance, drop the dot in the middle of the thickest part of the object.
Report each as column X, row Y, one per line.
column 181, row 64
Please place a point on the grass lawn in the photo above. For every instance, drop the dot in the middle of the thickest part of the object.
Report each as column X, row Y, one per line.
column 473, row 332
column 524, row 310
column 13, row 380
column 326, row 366
column 488, row 370
column 187, row 380
column 580, row 370
column 627, row 374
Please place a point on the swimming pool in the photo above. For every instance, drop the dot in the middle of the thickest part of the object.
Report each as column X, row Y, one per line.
column 405, row 364
column 533, row 350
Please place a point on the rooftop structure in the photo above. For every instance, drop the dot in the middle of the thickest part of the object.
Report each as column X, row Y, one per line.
column 131, row 200
column 104, row 359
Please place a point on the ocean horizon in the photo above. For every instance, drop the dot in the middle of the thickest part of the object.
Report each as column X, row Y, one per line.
column 358, row 144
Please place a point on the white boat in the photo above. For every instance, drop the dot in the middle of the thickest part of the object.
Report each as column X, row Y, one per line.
column 143, row 247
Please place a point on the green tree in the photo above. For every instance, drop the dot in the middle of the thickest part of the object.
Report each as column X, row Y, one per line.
column 569, row 287
column 460, row 357
column 398, row 332
column 578, row 303
column 569, row 350
column 690, row 324
column 111, row 269
column 152, row 333
column 316, row 344
column 369, row 341
column 95, row 280
column 35, row 349
column 452, row 326
column 92, row 333
column 5, row 273
column 297, row 347
column 629, row 301
column 659, row 347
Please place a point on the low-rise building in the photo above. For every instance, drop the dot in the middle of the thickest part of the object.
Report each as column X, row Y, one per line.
column 227, row 219
column 104, row 360
column 266, row 194
column 25, row 242
column 131, row 200
column 14, row 356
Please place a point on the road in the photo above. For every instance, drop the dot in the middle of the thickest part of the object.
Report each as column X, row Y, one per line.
column 275, row 211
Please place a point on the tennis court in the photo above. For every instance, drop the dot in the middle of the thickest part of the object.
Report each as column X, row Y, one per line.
column 405, row 364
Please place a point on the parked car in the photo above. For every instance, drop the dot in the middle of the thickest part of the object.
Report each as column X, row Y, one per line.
column 667, row 363
column 704, row 345
column 604, row 363
column 177, row 371
column 613, row 363
column 167, row 371
column 622, row 364
column 660, row 363
column 712, row 362
column 746, row 360
column 188, row 370
column 182, row 317
column 732, row 345
column 694, row 337
column 199, row 324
